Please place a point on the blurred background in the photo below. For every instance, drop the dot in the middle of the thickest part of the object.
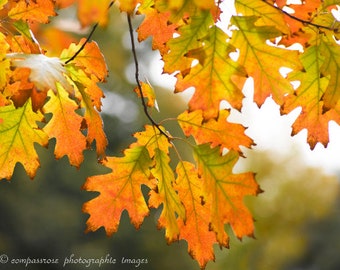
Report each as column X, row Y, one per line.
column 297, row 216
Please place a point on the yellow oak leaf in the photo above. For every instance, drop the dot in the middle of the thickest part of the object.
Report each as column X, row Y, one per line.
column 18, row 134
column 165, row 194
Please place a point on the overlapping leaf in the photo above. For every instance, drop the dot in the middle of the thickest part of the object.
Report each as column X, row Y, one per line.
column 195, row 229
column 217, row 132
column 309, row 96
column 155, row 24
column 64, row 126
column 213, row 76
column 262, row 61
column 37, row 11
column 189, row 39
column 119, row 190
column 18, row 134
column 227, row 192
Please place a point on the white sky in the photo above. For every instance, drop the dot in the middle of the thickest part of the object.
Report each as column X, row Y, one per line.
column 266, row 126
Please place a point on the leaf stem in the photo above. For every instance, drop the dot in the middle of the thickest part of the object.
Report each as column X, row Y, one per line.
column 133, row 49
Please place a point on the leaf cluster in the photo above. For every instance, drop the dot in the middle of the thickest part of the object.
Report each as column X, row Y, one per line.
column 44, row 98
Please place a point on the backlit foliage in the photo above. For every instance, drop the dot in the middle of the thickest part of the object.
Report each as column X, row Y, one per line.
column 44, row 98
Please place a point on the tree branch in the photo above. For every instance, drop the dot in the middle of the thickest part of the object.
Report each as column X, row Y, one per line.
column 133, row 49
column 87, row 39
column 301, row 20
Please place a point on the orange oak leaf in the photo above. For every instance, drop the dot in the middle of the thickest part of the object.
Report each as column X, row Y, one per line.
column 217, row 132
column 37, row 11
column 213, row 76
column 226, row 191
column 65, row 126
column 94, row 123
column 90, row 59
column 309, row 96
column 166, row 195
column 18, row 134
column 156, row 24
column 195, row 229
column 119, row 190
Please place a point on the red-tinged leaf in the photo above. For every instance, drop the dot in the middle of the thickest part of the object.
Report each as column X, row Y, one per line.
column 18, row 134
column 90, row 11
column 195, row 229
column 152, row 139
column 227, row 192
column 65, row 126
column 35, row 11
column 119, row 190
column 262, row 61
column 213, row 76
column 90, row 59
column 217, row 132
column 156, row 24
column 309, row 96
column 166, row 195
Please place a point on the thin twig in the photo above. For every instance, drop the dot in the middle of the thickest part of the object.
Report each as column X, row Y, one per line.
column 87, row 39
column 133, row 48
column 299, row 19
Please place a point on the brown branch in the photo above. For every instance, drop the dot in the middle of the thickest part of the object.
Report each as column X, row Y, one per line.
column 87, row 39
column 139, row 86
column 305, row 22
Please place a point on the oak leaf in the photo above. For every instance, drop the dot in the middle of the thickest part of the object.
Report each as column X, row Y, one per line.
column 217, row 132
column 166, row 195
column 119, row 190
column 37, row 11
column 195, row 229
column 262, row 61
column 213, row 76
column 190, row 36
column 309, row 96
column 155, row 24
column 65, row 126
column 18, row 134
column 227, row 191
